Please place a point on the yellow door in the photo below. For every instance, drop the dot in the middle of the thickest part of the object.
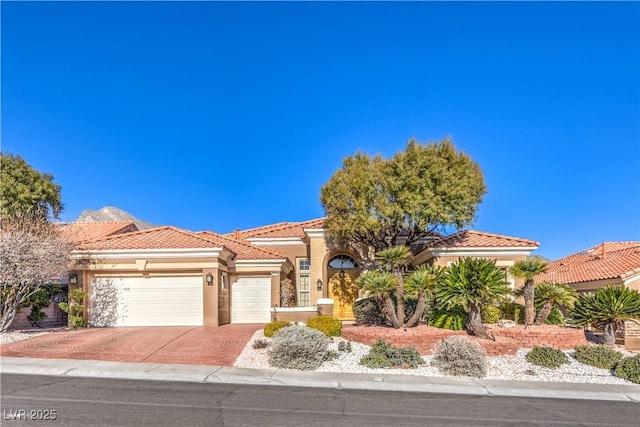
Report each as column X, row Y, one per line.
column 344, row 294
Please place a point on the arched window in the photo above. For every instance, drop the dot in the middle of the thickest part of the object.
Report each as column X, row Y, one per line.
column 342, row 262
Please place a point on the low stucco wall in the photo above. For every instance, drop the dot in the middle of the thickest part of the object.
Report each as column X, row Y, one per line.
column 293, row 314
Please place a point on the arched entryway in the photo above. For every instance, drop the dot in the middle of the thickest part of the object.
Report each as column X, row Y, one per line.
column 342, row 271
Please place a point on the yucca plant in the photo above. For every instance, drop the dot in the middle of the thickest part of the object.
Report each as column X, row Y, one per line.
column 550, row 295
column 527, row 269
column 379, row 285
column 471, row 283
column 607, row 309
column 422, row 283
column 396, row 259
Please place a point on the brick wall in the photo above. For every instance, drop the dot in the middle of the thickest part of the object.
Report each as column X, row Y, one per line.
column 631, row 336
column 508, row 340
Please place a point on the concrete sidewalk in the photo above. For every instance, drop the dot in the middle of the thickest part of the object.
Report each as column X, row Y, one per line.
column 282, row 377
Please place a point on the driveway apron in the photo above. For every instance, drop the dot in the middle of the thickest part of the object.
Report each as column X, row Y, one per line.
column 176, row 344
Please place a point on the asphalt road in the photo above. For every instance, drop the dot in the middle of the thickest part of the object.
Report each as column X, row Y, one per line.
column 73, row 401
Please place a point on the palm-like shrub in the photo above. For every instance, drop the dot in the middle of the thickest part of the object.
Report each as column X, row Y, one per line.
column 380, row 285
column 472, row 283
column 396, row 258
column 422, row 283
column 527, row 269
column 550, row 295
column 607, row 309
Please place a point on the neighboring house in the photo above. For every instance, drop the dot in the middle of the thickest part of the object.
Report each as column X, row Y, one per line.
column 607, row 264
column 169, row 276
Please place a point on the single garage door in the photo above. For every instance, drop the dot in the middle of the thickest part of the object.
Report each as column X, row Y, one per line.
column 152, row 301
column 251, row 300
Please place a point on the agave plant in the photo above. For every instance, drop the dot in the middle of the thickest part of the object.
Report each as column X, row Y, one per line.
column 471, row 283
column 527, row 269
column 380, row 285
column 607, row 309
column 396, row 258
column 550, row 295
column 422, row 282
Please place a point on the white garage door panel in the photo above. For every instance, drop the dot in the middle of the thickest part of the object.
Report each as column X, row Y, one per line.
column 251, row 300
column 154, row 301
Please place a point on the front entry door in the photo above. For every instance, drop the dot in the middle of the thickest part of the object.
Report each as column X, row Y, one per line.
column 343, row 292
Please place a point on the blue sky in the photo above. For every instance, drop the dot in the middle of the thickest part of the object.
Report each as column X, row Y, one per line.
column 217, row 115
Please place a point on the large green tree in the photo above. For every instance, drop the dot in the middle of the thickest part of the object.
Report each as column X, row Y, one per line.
column 26, row 190
column 373, row 203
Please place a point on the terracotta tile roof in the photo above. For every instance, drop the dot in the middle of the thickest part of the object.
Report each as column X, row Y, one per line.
column 153, row 238
column 78, row 232
column 479, row 239
column 280, row 230
column 242, row 249
column 608, row 260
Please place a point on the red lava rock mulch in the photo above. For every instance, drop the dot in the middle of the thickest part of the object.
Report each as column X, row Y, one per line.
column 507, row 340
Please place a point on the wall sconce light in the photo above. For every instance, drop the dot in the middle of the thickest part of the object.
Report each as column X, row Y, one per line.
column 209, row 279
column 319, row 284
column 73, row 279
column 341, row 274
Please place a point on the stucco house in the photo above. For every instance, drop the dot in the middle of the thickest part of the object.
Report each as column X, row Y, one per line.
column 170, row 276
column 606, row 264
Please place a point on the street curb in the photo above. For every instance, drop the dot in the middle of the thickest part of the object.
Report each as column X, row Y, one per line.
column 283, row 377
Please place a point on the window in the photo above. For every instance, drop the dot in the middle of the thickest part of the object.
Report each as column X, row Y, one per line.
column 342, row 261
column 303, row 264
column 304, row 290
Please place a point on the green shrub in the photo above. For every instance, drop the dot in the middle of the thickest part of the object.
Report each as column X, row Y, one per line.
column 328, row 325
column 458, row 355
column 547, row 357
column 453, row 319
column 490, row 314
column 629, row 369
column 512, row 311
column 298, row 347
column 74, row 308
column 599, row 356
column 385, row 355
column 271, row 328
column 345, row 346
column 37, row 316
column 366, row 312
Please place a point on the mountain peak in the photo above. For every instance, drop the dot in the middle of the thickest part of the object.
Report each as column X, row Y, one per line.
column 110, row 213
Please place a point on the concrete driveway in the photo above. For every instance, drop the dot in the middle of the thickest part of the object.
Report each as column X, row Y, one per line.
column 176, row 344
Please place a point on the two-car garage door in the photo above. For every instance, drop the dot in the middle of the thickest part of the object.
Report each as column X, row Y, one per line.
column 151, row 301
column 172, row 301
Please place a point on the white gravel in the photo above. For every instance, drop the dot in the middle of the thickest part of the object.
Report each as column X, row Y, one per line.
column 515, row 368
column 9, row 337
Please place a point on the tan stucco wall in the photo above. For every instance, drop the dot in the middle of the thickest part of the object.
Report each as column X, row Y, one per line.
column 210, row 298
column 317, row 252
